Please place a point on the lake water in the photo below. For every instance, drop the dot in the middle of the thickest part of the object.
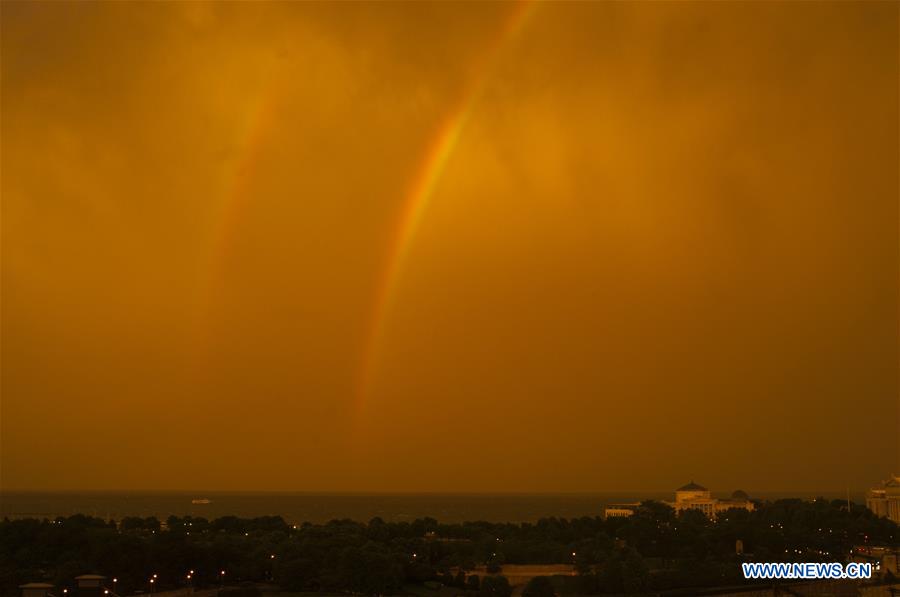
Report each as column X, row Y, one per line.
column 317, row 508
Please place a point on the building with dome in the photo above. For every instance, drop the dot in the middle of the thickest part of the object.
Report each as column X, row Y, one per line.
column 885, row 500
column 696, row 497
column 689, row 497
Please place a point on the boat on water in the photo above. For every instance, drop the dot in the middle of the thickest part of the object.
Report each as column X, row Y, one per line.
column 201, row 501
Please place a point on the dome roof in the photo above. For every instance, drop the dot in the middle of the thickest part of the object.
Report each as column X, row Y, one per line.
column 739, row 494
column 692, row 487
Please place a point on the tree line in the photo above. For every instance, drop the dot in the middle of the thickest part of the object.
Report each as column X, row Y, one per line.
column 654, row 549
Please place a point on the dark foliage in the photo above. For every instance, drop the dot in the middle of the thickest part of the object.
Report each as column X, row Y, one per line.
column 652, row 550
column 539, row 586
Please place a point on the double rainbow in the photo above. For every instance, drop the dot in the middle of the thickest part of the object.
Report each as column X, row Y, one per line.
column 261, row 119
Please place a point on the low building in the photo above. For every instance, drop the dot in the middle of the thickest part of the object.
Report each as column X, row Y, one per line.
column 884, row 559
column 620, row 510
column 518, row 575
column 885, row 500
column 738, row 499
column 90, row 585
column 689, row 497
column 696, row 497
column 36, row 589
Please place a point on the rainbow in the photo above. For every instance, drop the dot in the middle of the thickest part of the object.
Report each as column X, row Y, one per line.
column 259, row 118
column 420, row 192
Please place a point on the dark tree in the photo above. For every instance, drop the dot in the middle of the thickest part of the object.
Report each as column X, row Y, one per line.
column 539, row 586
column 473, row 582
column 495, row 586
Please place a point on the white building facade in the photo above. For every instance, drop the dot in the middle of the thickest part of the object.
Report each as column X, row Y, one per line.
column 689, row 497
column 885, row 500
column 696, row 497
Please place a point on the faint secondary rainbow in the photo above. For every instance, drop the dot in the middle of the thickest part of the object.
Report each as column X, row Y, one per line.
column 259, row 121
column 421, row 191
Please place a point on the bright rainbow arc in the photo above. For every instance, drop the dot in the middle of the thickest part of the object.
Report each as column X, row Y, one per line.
column 261, row 120
column 419, row 196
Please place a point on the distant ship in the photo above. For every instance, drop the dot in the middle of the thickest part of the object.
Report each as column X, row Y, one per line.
column 201, row 501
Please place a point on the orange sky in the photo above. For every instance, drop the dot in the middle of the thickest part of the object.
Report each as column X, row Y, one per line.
column 449, row 247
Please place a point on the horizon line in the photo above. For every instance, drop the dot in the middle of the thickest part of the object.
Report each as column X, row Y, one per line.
column 411, row 493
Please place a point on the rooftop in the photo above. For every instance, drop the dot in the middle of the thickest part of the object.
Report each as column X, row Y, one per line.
column 692, row 487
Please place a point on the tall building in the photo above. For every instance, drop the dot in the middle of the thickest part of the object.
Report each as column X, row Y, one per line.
column 885, row 500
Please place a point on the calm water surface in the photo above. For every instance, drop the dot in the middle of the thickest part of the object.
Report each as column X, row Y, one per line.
column 317, row 508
